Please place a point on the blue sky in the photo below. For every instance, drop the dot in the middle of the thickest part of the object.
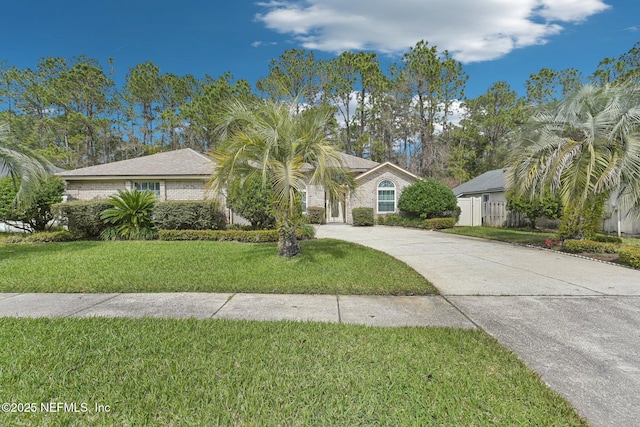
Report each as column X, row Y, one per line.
column 494, row 39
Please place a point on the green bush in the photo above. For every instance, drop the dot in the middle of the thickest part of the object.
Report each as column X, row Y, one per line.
column 427, row 198
column 41, row 237
column 316, row 215
column 439, row 223
column 362, row 216
column 129, row 216
column 189, row 215
column 252, row 201
column 629, row 255
column 245, row 236
column 400, row 221
column 607, row 239
column 35, row 215
column 82, row 217
column 589, row 246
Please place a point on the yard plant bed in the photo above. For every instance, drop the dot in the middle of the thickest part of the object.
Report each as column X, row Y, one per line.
column 325, row 267
column 220, row 372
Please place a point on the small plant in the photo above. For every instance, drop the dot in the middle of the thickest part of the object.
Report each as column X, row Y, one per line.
column 439, row 223
column 362, row 216
column 130, row 216
column 315, row 214
column 550, row 243
column 630, row 255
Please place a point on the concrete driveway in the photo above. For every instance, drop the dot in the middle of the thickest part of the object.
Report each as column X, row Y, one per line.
column 576, row 322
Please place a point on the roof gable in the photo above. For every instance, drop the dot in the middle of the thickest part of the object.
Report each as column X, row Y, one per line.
column 489, row 182
column 184, row 162
column 389, row 165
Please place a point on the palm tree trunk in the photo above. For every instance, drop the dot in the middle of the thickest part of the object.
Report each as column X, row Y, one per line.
column 288, row 245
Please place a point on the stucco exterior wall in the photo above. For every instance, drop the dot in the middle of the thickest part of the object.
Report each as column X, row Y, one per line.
column 366, row 194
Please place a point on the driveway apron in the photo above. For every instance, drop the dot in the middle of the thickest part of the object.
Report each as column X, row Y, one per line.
column 576, row 322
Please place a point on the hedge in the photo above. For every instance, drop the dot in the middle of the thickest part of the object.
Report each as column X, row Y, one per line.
column 246, row 236
column 316, row 215
column 362, row 216
column 41, row 237
column 189, row 215
column 590, row 246
column 439, row 223
column 629, row 255
column 82, row 217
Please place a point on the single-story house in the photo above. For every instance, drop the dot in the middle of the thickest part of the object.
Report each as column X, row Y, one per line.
column 491, row 187
column 183, row 174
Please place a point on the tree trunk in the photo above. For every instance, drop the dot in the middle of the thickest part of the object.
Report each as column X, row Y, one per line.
column 288, row 245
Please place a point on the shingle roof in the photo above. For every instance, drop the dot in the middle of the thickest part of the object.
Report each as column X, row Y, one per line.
column 184, row 162
column 352, row 163
column 489, row 182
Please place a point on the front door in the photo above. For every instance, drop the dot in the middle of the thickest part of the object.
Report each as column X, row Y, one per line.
column 336, row 211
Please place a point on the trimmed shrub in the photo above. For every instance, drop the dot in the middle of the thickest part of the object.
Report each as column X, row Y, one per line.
column 439, row 223
column 316, row 215
column 189, row 215
column 41, row 237
column 607, row 239
column 400, row 221
column 37, row 214
column 362, row 216
column 427, row 198
column 245, row 236
column 630, row 255
column 83, row 217
column 589, row 246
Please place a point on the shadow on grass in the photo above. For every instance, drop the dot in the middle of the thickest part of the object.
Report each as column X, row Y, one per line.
column 18, row 250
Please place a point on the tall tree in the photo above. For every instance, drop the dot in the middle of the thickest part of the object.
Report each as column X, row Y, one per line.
column 582, row 148
column 294, row 75
column 548, row 86
column 272, row 143
column 490, row 128
column 142, row 91
column 436, row 82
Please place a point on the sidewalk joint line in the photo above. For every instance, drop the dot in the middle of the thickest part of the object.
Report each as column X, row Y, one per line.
column 91, row 306
column 338, row 304
column 223, row 305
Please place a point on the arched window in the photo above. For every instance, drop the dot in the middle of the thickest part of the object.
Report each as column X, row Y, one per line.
column 386, row 197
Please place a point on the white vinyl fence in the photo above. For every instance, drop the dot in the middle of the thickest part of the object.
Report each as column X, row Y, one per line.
column 474, row 212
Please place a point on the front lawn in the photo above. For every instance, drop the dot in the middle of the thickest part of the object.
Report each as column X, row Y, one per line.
column 325, row 267
column 220, row 372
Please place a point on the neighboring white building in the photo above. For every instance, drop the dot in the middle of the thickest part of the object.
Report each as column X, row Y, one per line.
column 183, row 174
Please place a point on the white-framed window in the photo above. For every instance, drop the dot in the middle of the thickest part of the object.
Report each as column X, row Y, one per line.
column 303, row 197
column 386, row 197
column 486, row 197
column 148, row 185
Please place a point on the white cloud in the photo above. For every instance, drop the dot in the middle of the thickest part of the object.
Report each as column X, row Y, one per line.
column 472, row 30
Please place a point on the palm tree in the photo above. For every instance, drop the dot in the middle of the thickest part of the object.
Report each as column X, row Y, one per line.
column 268, row 140
column 23, row 164
column 583, row 148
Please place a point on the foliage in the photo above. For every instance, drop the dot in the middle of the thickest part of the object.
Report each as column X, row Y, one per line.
column 589, row 246
column 252, row 200
column 35, row 214
column 607, row 239
column 82, row 217
column 582, row 221
column 189, row 215
column 130, row 215
column 439, row 223
column 316, row 215
column 400, row 220
column 427, row 198
column 246, row 236
column 534, row 208
column 362, row 216
column 580, row 148
column 268, row 141
column 629, row 255
column 41, row 237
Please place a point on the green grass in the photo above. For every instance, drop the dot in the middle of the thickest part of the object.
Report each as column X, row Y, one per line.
column 503, row 234
column 217, row 372
column 325, row 267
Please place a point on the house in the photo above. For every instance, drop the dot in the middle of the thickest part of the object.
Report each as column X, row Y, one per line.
column 491, row 188
column 183, row 174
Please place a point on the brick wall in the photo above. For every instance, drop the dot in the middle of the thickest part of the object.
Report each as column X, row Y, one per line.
column 169, row 189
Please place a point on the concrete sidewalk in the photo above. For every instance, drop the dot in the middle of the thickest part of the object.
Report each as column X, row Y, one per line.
column 368, row 310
